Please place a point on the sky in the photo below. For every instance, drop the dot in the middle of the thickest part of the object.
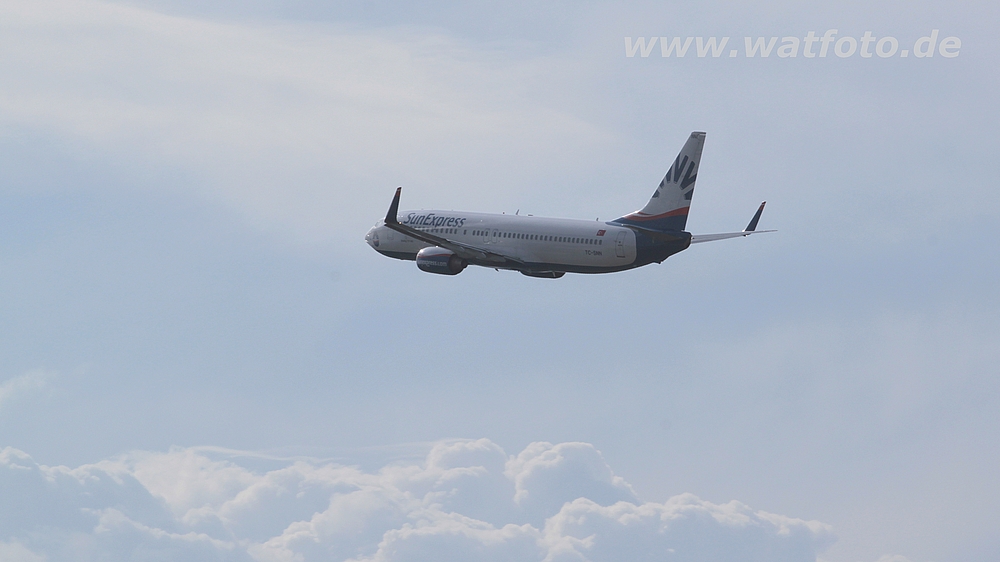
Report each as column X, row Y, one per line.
column 200, row 358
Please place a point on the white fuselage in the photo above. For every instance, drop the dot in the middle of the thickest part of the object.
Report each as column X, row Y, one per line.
column 544, row 243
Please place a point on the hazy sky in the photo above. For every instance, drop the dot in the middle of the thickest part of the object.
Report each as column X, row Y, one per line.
column 201, row 359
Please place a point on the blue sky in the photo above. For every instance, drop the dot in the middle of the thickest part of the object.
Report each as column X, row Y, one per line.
column 184, row 193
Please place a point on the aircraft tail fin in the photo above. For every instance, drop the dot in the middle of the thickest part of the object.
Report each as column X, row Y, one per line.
column 667, row 209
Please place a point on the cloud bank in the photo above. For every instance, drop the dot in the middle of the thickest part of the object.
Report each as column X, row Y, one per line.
column 467, row 500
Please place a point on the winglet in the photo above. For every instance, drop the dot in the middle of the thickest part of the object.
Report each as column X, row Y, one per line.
column 390, row 217
column 753, row 222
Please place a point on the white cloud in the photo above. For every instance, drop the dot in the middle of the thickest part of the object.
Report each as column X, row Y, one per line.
column 893, row 558
column 546, row 476
column 466, row 501
column 685, row 526
column 32, row 381
column 17, row 552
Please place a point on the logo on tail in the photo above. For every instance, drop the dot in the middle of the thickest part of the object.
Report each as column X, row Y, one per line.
column 675, row 172
column 667, row 209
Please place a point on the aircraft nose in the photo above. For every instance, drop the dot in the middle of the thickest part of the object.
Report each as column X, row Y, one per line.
column 372, row 238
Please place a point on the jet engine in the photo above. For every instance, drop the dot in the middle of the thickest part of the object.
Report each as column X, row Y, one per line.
column 440, row 260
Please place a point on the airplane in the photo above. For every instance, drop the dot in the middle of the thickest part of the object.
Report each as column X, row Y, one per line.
column 446, row 242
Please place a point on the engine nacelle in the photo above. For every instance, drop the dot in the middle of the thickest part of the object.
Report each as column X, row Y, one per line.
column 440, row 260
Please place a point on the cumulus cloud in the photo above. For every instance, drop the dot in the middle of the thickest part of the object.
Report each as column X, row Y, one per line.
column 467, row 500
column 546, row 476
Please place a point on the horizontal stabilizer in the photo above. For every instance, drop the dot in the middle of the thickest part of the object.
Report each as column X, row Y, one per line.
column 750, row 229
column 712, row 237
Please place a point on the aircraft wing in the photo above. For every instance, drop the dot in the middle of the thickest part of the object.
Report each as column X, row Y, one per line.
column 750, row 229
column 462, row 249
